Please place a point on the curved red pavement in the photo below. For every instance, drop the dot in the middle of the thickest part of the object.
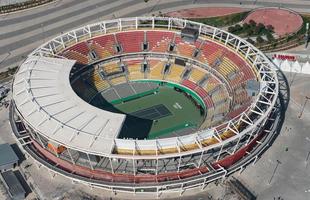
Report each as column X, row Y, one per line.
column 284, row 21
column 204, row 12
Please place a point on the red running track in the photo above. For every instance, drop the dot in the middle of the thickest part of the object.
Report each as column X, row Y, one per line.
column 284, row 21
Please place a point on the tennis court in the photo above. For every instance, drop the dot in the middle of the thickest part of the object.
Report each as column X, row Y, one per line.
column 152, row 113
column 155, row 113
column 159, row 115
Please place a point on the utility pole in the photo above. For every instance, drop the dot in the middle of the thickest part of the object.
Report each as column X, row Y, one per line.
column 307, row 35
column 303, row 107
column 307, row 158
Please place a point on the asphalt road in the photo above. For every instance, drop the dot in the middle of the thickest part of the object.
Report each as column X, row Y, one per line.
column 22, row 32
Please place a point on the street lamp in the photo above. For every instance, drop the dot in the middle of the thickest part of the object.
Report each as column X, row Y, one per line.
column 274, row 171
column 303, row 107
column 42, row 28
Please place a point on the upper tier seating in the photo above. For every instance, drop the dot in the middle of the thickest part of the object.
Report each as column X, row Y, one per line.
column 100, row 51
column 227, row 67
column 242, row 65
column 80, row 58
column 131, row 41
column 211, row 51
column 107, row 42
column 235, row 112
column 81, row 48
column 159, row 41
column 183, row 48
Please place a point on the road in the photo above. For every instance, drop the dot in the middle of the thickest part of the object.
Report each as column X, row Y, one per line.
column 22, row 32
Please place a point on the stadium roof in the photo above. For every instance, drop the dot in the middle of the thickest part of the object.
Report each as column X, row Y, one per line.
column 43, row 94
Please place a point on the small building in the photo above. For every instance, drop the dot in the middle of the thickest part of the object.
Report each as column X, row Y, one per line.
column 8, row 158
column 13, row 185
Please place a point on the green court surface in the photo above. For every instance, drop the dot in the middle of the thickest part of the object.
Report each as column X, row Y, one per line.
column 158, row 114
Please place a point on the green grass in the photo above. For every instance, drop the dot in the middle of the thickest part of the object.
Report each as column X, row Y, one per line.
column 222, row 20
column 187, row 116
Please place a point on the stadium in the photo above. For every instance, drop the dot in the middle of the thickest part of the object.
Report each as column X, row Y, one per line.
column 145, row 104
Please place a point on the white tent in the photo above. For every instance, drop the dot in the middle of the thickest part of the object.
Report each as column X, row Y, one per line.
column 306, row 68
column 285, row 66
column 296, row 67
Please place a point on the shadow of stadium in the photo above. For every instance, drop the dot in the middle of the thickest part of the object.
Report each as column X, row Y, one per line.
column 280, row 108
column 133, row 126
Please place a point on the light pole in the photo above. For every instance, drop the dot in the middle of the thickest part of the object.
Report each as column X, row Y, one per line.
column 303, row 107
column 307, row 158
column 42, row 28
column 274, row 171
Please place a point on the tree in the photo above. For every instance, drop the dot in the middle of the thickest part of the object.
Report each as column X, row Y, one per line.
column 270, row 37
column 231, row 29
column 234, row 29
column 259, row 39
column 252, row 23
column 238, row 27
column 270, row 28
column 250, row 40
column 250, row 32
column 246, row 26
column 259, row 29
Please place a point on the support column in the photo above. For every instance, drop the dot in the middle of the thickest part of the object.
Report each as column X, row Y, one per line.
column 179, row 163
column 235, row 148
column 156, row 172
column 218, row 157
column 200, row 159
column 133, row 167
column 182, row 190
column 112, row 170
column 204, row 183
column 254, row 162
column 91, row 166
column 72, row 160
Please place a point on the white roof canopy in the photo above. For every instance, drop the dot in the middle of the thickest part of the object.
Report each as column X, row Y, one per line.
column 44, row 96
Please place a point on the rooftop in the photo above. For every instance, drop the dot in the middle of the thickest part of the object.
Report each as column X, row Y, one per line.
column 7, row 155
column 43, row 93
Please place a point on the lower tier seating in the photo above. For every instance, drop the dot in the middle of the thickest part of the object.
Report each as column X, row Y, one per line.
column 175, row 73
column 118, row 80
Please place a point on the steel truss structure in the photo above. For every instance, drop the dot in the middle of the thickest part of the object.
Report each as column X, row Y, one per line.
column 149, row 166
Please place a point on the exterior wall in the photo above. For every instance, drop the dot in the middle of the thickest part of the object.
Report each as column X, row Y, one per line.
column 7, row 166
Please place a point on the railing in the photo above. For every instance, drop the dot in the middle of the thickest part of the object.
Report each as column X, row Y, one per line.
column 247, row 51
